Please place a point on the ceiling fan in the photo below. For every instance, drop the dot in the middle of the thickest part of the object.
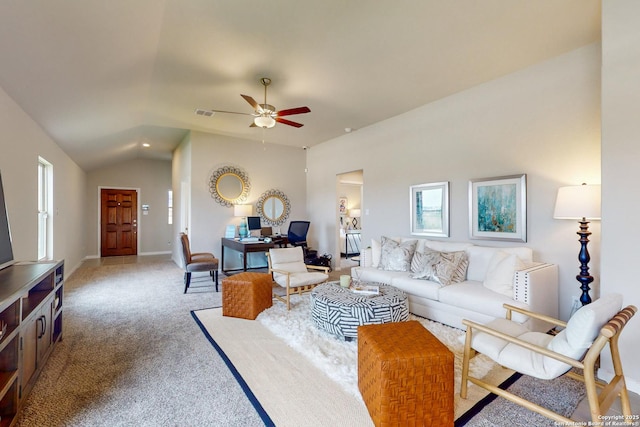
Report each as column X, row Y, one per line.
column 265, row 115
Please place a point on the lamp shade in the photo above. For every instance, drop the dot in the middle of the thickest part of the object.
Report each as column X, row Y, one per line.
column 242, row 210
column 577, row 202
column 354, row 213
column 264, row 121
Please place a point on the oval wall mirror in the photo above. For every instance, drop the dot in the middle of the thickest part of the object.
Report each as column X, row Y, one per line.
column 229, row 185
column 273, row 207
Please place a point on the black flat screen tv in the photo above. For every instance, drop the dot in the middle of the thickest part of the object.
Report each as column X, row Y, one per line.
column 6, row 249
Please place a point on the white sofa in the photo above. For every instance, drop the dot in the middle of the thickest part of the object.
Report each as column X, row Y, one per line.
column 535, row 285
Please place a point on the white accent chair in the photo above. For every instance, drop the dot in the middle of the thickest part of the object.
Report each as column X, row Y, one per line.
column 545, row 356
column 287, row 267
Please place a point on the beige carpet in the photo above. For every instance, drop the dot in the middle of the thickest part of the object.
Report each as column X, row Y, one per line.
column 292, row 391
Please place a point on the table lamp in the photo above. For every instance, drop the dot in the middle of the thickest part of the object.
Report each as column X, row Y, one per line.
column 581, row 202
column 354, row 214
column 243, row 211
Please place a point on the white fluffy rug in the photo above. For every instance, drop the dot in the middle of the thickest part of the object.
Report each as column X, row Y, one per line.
column 339, row 359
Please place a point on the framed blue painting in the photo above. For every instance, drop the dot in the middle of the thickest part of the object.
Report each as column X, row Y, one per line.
column 498, row 208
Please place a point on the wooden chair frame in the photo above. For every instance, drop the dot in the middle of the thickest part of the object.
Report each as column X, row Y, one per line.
column 599, row 404
column 295, row 289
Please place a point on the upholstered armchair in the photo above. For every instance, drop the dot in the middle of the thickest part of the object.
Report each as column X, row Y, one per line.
column 546, row 356
column 197, row 261
column 289, row 271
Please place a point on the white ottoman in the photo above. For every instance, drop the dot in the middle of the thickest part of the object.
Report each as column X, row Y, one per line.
column 340, row 311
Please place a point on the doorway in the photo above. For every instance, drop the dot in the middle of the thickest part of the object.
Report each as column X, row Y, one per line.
column 349, row 224
column 118, row 222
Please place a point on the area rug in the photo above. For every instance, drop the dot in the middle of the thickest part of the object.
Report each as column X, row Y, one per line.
column 311, row 379
column 285, row 388
column 338, row 359
column 296, row 375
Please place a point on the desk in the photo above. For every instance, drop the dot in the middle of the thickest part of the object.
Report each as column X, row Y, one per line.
column 352, row 243
column 247, row 247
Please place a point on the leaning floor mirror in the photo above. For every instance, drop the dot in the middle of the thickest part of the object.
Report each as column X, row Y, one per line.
column 429, row 207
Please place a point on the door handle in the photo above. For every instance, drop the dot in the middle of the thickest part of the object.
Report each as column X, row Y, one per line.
column 39, row 323
column 43, row 326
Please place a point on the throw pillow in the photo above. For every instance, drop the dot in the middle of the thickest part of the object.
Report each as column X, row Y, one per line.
column 376, row 250
column 462, row 263
column 396, row 256
column 444, row 268
column 500, row 273
column 423, row 259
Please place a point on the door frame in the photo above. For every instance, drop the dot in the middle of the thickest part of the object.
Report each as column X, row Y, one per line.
column 339, row 176
column 138, row 213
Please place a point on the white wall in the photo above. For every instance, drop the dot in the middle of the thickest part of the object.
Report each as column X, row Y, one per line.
column 620, row 172
column 21, row 142
column 543, row 121
column 153, row 179
column 181, row 182
column 268, row 166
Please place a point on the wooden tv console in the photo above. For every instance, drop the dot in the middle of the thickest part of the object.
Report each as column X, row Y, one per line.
column 31, row 318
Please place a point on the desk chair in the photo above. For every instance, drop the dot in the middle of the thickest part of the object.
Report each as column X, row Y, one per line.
column 297, row 236
column 297, row 233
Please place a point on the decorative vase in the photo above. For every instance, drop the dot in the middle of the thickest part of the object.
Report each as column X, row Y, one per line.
column 242, row 230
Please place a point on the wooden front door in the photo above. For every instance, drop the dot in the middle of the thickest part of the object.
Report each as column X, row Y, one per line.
column 119, row 222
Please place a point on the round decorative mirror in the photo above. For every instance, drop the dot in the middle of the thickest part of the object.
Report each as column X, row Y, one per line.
column 273, row 207
column 229, row 185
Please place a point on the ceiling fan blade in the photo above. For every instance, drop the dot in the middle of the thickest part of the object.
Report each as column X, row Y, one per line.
column 292, row 111
column 231, row 112
column 253, row 103
column 288, row 122
column 253, row 125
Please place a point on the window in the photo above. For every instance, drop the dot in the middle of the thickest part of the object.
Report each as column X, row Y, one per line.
column 45, row 203
column 170, row 206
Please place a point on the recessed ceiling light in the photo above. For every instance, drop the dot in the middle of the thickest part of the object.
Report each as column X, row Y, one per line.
column 146, row 144
column 348, row 130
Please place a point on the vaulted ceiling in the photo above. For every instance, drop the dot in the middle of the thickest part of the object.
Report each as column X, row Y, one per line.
column 103, row 77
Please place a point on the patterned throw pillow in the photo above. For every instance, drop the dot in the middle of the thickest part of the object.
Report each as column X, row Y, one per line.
column 396, row 256
column 423, row 260
column 444, row 268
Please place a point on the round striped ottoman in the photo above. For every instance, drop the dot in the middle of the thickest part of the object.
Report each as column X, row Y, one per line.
column 340, row 311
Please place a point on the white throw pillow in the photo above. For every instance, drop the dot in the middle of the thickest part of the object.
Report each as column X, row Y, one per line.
column 396, row 256
column 500, row 273
column 376, row 249
column 582, row 329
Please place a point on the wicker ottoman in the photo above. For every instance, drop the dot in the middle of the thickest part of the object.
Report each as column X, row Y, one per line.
column 245, row 295
column 405, row 375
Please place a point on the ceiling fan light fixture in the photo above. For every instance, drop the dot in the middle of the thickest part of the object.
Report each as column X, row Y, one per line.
column 264, row 122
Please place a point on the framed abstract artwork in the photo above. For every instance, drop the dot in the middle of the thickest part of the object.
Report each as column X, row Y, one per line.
column 498, row 208
column 429, row 209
